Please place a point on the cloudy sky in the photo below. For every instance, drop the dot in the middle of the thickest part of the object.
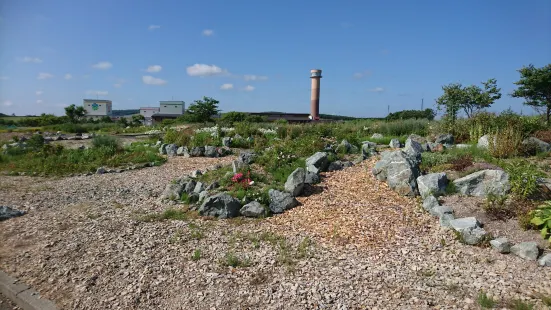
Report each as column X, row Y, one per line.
column 256, row 55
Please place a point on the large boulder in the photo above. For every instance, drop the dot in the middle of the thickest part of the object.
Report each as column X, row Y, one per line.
column 311, row 178
column 295, row 182
column 221, row 205
column 417, row 138
column 535, row 145
column 482, row 183
column 171, row 149
column 484, row 142
column 432, row 184
column 369, row 149
column 445, row 139
column 281, row 201
column 8, row 213
column 172, row 191
column 395, row 143
column 210, row 151
column 399, row 171
column 197, row 151
column 253, row 209
column 318, row 162
column 182, row 151
column 346, row 147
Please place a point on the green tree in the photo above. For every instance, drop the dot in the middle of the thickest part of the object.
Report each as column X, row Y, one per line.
column 137, row 119
column 202, row 110
column 75, row 113
column 451, row 102
column 535, row 87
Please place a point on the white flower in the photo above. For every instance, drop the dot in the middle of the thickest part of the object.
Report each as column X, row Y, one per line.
column 251, row 182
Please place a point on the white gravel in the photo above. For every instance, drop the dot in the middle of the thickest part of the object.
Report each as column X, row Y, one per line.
column 82, row 246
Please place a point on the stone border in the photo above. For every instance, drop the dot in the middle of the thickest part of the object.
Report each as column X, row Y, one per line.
column 23, row 295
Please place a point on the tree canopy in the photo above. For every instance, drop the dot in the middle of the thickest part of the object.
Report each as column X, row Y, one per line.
column 535, row 87
column 471, row 99
column 75, row 113
column 202, row 110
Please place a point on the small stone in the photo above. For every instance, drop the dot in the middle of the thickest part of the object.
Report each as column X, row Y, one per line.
column 501, row 244
column 526, row 250
column 545, row 261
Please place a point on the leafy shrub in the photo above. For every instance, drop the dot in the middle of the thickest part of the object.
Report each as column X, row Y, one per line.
column 106, row 142
column 497, row 208
column 523, row 177
column 403, row 127
column 204, row 138
column 541, row 218
column 505, row 142
column 412, row 114
column 35, row 142
column 178, row 137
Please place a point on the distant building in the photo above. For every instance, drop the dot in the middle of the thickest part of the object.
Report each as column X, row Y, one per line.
column 97, row 108
column 147, row 113
column 169, row 110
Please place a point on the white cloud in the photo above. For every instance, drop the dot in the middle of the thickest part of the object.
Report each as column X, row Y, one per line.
column 248, row 88
column 43, row 76
column 68, row 76
column 149, row 80
column 226, row 86
column 39, row 92
column 205, row 70
column 377, row 90
column 208, row 32
column 153, row 27
column 250, row 77
column 359, row 75
column 4, row 78
column 118, row 85
column 102, row 65
column 154, row 68
column 38, row 101
column 30, row 59
column 8, row 103
column 97, row 92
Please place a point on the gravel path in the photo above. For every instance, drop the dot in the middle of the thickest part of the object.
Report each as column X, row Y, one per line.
column 355, row 245
column 6, row 304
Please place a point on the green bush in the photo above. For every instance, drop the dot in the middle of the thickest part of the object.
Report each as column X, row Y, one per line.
column 402, row 127
column 106, row 142
column 523, row 177
column 428, row 114
column 541, row 218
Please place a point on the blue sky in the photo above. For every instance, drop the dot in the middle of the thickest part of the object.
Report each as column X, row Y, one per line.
column 256, row 55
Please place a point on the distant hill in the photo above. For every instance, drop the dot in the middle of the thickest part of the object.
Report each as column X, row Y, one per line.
column 118, row 113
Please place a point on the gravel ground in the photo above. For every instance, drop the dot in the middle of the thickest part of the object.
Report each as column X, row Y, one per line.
column 6, row 304
column 354, row 245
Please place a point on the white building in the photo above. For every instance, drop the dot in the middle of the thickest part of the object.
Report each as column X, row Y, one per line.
column 147, row 113
column 172, row 107
column 97, row 108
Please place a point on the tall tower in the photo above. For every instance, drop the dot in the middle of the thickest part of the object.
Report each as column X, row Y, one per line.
column 315, row 75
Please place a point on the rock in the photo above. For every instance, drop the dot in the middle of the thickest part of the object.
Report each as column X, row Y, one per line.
column 526, row 250
column 281, row 201
column 221, row 206
column 346, row 148
column 501, row 244
column 536, row 145
column 439, row 211
column 223, row 151
column 158, row 144
column 545, row 261
column 197, row 151
column 199, row 187
column 399, row 171
column 462, row 146
column 311, row 178
column 473, row 235
column 368, row 150
column 432, row 184
column 203, row 195
column 253, row 209
column 247, row 157
column 481, row 183
column 189, row 186
column 484, row 142
column 413, row 148
column 101, row 170
column 172, row 191
column 318, row 162
column 7, row 213
column 395, row 143
column 445, row 220
column 195, row 174
column 226, row 141
column 162, row 149
column 377, row 136
column 295, row 182
column 444, row 139
column 182, row 151
column 210, row 151
column 213, row 185
column 436, row 148
column 430, row 203
column 464, row 223
column 238, row 165
column 417, row 138
column 171, row 149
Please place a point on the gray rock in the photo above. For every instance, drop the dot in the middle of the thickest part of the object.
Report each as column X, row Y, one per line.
column 464, row 223
column 377, row 136
column 199, row 187
column 189, row 187
column 221, row 206
column 226, row 141
column 502, row 245
column 445, row 220
column 313, row 169
column 237, row 166
column 210, row 151
column 172, row 191
column 432, row 184
column 484, row 142
column 319, row 161
column 247, row 157
column 171, row 149
column 203, row 195
column 7, row 213
column 311, row 178
column 481, row 183
column 370, row 144
column 439, row 211
column 537, row 144
column 295, row 182
column 195, row 173
column 213, row 185
column 545, row 261
column 346, row 148
column 223, row 151
column 473, row 235
column 399, row 171
column 281, row 201
column 253, row 209
column 413, row 148
column 417, row 138
column 368, row 150
column 335, row 166
column 430, row 202
column 445, row 139
column 101, row 170
column 162, row 149
column 395, row 143
column 526, row 250
column 197, row 151
column 182, row 151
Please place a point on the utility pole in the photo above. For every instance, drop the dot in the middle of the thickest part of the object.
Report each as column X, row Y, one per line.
column 422, row 103
column 388, row 109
